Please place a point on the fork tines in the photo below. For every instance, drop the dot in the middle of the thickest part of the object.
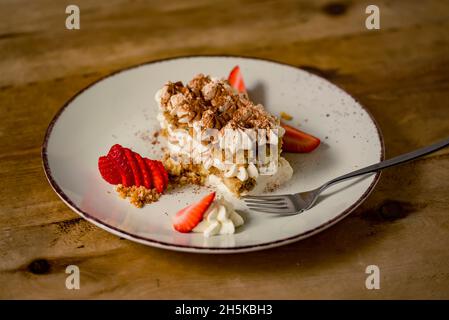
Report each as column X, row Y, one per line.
column 269, row 204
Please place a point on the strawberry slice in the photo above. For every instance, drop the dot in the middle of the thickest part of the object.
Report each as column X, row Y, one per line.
column 156, row 175
column 134, row 167
column 164, row 173
column 235, row 79
column 297, row 141
column 146, row 175
column 118, row 157
column 108, row 170
column 188, row 218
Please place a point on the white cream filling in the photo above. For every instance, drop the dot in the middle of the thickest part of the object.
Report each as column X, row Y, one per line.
column 181, row 142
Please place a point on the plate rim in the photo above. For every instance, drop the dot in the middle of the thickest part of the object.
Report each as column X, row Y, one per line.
column 189, row 248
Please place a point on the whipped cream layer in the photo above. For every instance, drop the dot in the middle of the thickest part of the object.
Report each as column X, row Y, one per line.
column 181, row 142
column 220, row 218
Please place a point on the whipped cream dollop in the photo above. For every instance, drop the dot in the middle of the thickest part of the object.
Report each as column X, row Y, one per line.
column 220, row 218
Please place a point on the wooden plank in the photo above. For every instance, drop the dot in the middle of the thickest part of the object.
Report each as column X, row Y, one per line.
column 400, row 73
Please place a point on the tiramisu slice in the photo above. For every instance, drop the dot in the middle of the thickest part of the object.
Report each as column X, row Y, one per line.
column 217, row 136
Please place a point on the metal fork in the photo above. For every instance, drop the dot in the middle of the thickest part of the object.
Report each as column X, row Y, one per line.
column 299, row 202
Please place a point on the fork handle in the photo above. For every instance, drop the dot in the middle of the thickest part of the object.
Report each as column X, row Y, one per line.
column 390, row 162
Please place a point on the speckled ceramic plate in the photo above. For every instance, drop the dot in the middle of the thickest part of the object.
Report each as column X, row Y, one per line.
column 120, row 108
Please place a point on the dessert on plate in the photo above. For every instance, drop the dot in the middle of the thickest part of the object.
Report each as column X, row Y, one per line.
column 218, row 136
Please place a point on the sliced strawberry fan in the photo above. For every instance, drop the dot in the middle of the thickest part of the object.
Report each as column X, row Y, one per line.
column 122, row 165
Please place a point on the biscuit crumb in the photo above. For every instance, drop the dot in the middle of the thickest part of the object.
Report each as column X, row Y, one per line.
column 286, row 116
column 138, row 196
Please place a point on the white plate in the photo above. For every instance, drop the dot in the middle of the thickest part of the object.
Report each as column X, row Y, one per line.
column 119, row 107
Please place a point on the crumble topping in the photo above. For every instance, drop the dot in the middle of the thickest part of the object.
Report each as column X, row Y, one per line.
column 138, row 196
column 214, row 103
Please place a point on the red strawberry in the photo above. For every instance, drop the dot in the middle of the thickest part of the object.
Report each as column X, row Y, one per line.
column 188, row 218
column 134, row 167
column 146, row 174
column 235, row 79
column 156, row 175
column 164, row 173
column 118, row 157
column 297, row 141
column 108, row 170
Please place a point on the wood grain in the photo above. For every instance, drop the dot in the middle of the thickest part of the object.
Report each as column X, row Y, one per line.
column 400, row 73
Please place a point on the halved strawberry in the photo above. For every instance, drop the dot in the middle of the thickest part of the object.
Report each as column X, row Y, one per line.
column 297, row 141
column 156, row 175
column 294, row 140
column 235, row 79
column 118, row 157
column 108, row 170
column 146, row 175
column 188, row 218
column 164, row 173
column 134, row 167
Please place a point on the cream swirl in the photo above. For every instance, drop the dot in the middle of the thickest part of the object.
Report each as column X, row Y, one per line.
column 220, row 218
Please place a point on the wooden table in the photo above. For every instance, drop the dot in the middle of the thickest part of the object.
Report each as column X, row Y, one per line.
column 400, row 73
